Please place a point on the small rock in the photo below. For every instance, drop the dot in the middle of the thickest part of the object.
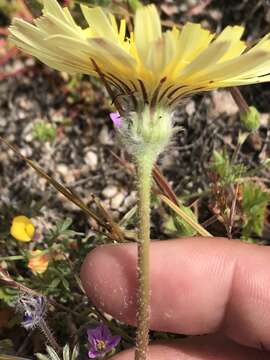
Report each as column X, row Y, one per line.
column 27, row 152
column 28, row 137
column 104, row 136
column 264, row 119
column 3, row 122
column 131, row 199
column 25, row 104
column 190, row 108
column 224, row 103
column 91, row 159
column 66, row 172
column 109, row 191
column 117, row 200
column 62, row 169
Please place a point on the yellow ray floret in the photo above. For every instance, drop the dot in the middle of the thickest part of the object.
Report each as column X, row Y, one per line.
column 154, row 65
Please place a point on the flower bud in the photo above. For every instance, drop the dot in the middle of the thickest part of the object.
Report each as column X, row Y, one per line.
column 38, row 261
column 147, row 131
column 250, row 119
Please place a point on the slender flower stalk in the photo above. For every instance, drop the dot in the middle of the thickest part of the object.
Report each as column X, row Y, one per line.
column 152, row 70
column 144, row 173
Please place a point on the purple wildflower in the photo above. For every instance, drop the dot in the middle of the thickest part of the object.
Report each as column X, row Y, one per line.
column 116, row 119
column 33, row 308
column 101, row 341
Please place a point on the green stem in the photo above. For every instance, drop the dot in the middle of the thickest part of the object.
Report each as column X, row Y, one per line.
column 144, row 172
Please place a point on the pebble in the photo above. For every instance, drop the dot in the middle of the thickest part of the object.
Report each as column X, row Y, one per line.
column 104, row 136
column 131, row 199
column 117, row 200
column 66, row 172
column 3, row 122
column 91, row 159
column 63, row 169
column 109, row 191
column 190, row 108
column 27, row 152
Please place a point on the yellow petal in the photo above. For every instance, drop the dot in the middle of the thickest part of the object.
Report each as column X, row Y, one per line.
column 233, row 35
column 147, row 29
column 22, row 228
column 26, row 32
column 160, row 53
column 99, row 22
column 112, row 55
column 246, row 65
column 192, row 41
column 206, row 59
column 53, row 7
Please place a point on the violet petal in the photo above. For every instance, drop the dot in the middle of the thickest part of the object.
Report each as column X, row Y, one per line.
column 113, row 342
column 116, row 119
column 105, row 332
column 92, row 354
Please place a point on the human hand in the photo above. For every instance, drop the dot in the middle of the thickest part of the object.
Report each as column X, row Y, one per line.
column 198, row 286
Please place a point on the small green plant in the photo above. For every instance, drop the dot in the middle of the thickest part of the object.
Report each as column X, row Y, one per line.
column 44, row 131
column 227, row 171
column 67, row 354
column 255, row 199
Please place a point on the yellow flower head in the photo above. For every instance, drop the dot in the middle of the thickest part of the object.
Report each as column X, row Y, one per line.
column 38, row 261
column 151, row 66
column 22, row 228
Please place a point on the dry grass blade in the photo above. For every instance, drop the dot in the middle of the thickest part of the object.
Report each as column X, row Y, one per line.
column 164, row 185
column 185, row 217
column 116, row 232
column 65, row 191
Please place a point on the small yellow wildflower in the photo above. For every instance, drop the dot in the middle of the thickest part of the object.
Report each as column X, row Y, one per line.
column 148, row 64
column 38, row 261
column 22, row 228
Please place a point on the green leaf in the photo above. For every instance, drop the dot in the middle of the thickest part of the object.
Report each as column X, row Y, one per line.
column 183, row 228
column 178, row 227
column 52, row 353
column 66, row 352
column 55, row 283
column 254, row 205
column 42, row 357
column 75, row 352
column 227, row 172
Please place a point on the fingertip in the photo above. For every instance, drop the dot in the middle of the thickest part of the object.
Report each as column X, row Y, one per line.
column 206, row 347
column 109, row 279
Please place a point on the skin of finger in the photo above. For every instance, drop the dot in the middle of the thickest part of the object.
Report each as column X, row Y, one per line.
column 210, row 347
column 198, row 286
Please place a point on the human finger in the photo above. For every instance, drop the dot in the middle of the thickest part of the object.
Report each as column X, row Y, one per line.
column 198, row 348
column 198, row 286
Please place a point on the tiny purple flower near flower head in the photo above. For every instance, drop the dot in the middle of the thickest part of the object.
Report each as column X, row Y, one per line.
column 101, row 341
column 116, row 119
